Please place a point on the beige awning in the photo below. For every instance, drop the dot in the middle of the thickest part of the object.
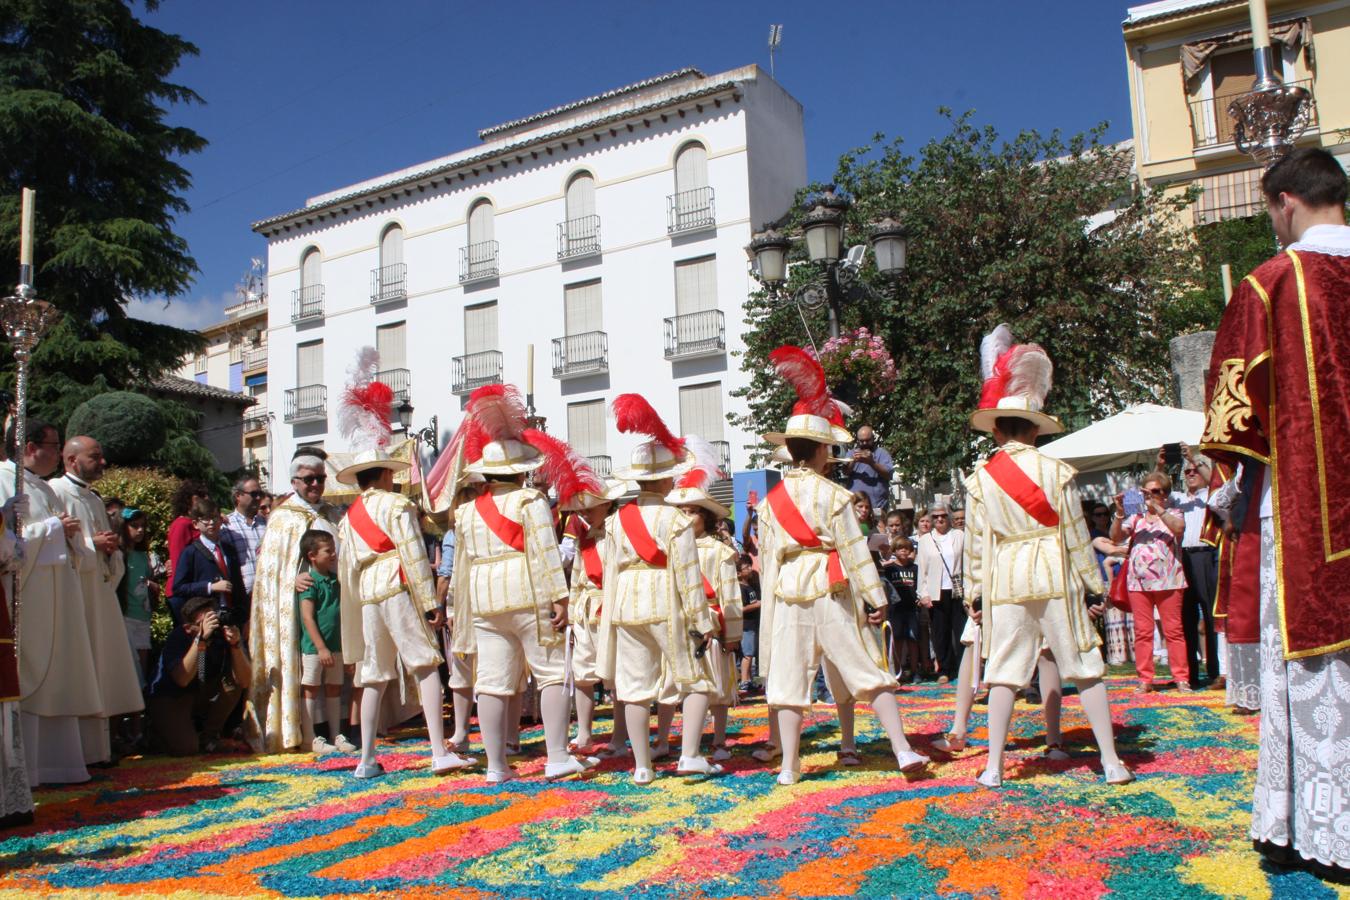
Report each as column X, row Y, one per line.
column 1294, row 33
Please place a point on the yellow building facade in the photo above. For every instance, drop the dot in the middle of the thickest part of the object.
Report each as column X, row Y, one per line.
column 1188, row 59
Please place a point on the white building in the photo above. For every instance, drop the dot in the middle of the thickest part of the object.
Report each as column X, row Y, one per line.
column 608, row 234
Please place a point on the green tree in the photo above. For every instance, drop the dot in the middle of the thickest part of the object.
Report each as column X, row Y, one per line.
column 129, row 427
column 1241, row 243
column 84, row 96
column 1000, row 231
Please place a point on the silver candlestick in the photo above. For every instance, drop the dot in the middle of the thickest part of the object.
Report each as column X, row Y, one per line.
column 25, row 319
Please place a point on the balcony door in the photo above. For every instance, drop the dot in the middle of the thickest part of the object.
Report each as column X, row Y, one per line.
column 391, row 246
column 309, row 364
column 701, row 411
column 1230, row 74
column 480, row 328
column 582, row 308
column 695, row 286
column 691, row 168
column 580, row 197
column 586, row 427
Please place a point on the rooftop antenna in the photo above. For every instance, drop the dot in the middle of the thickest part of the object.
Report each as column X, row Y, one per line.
column 775, row 39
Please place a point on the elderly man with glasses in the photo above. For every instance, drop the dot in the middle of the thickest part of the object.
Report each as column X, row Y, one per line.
column 274, row 635
column 1201, row 561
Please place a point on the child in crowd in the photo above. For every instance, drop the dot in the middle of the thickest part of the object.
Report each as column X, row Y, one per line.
column 138, row 591
column 903, row 574
column 321, row 665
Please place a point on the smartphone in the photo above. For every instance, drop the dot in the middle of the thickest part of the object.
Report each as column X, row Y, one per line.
column 1133, row 502
column 1171, row 455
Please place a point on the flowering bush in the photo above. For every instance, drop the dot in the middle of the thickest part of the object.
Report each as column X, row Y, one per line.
column 860, row 358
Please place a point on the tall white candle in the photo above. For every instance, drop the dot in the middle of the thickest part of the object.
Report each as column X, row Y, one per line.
column 26, row 228
column 529, row 369
column 1227, row 272
column 1260, row 24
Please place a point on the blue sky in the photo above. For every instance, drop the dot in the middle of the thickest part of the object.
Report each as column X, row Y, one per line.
column 304, row 96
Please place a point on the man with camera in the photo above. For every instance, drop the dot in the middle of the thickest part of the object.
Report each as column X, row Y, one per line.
column 201, row 677
column 869, row 469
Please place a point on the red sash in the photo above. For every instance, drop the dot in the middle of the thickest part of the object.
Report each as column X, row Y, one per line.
column 508, row 530
column 794, row 523
column 635, row 527
column 590, row 558
column 1019, row 486
column 708, row 590
column 368, row 531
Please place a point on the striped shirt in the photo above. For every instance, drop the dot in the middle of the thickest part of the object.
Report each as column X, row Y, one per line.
column 244, row 536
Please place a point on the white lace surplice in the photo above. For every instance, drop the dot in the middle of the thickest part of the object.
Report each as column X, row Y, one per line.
column 1302, row 796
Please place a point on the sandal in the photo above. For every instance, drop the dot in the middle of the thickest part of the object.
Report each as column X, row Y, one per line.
column 1056, row 751
column 849, row 758
column 1145, row 687
column 767, row 753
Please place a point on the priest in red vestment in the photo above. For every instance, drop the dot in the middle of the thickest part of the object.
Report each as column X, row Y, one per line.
column 1279, row 399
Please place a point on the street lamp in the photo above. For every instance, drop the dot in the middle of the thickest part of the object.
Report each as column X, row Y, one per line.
column 822, row 231
column 428, row 435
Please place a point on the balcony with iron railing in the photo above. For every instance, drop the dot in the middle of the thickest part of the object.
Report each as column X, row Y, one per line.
column 307, row 404
column 399, row 381
column 254, row 358
column 723, row 449
column 1212, row 126
column 255, row 420
column 602, row 465
column 696, row 334
column 581, row 354
column 307, row 303
column 478, row 262
column 389, row 283
column 578, row 238
column 690, row 210
column 473, row 370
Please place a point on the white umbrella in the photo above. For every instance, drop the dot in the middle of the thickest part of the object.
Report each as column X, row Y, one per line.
column 1130, row 437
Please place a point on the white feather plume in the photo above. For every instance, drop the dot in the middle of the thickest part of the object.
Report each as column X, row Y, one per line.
column 995, row 344
column 706, row 458
column 1030, row 373
column 363, row 412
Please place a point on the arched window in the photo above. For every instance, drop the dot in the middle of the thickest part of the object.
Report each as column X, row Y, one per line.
column 580, row 196
column 478, row 260
column 307, row 302
column 311, row 273
column 391, row 246
column 691, row 167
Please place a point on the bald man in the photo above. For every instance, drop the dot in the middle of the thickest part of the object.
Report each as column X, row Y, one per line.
column 97, row 558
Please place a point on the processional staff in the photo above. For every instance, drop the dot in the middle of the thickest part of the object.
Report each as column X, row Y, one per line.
column 25, row 319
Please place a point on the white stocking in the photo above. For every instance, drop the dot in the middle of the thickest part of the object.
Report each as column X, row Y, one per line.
column 1092, row 694
column 370, row 719
column 888, row 714
column 789, row 737
column 585, row 699
column 309, row 707
column 493, row 720
column 433, row 708
column 1052, row 697
column 463, row 701
column 639, row 724
column 691, row 729
column 553, row 704
column 1000, row 717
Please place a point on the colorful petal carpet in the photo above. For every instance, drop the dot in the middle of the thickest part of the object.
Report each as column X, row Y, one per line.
column 291, row 825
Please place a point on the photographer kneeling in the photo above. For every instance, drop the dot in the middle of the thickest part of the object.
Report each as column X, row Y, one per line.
column 201, row 677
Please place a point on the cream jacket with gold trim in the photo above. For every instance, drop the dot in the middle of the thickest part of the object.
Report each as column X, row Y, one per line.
column 492, row 577
column 367, row 576
column 717, row 562
column 790, row 573
column 1012, row 558
column 638, row 594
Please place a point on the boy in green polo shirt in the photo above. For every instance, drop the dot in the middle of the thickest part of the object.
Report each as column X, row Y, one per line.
column 321, row 643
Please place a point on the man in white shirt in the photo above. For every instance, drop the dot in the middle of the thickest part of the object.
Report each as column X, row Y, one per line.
column 940, row 591
column 1202, row 567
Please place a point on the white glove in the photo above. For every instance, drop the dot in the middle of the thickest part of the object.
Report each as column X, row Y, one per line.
column 15, row 506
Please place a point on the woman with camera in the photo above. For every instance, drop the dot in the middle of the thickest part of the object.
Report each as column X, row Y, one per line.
column 1154, row 576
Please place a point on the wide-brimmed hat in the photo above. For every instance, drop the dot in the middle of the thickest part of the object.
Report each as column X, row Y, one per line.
column 653, row 461
column 812, row 428
column 506, row 457
column 816, row 416
column 585, row 499
column 664, row 456
column 1016, row 381
column 692, row 496
column 780, row 454
column 370, row 459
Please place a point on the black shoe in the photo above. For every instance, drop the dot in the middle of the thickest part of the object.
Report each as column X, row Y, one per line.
column 1276, row 855
column 1033, row 697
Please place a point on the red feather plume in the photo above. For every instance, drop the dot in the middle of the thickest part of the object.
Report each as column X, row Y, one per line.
column 499, row 410
column 634, row 415
column 565, row 469
column 996, row 385
column 804, row 373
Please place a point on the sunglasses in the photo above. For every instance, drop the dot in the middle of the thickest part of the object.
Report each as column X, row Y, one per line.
column 938, row 516
column 1192, row 471
column 256, row 495
column 1156, row 492
column 311, row 480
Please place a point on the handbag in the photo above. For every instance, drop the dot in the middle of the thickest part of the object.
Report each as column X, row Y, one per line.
column 1118, row 594
column 958, row 589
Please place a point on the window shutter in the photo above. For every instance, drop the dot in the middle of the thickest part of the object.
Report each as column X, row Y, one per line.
column 691, row 168
column 480, row 328
column 309, row 364
column 310, row 271
column 582, row 308
column 701, row 411
column 586, row 427
column 391, row 342
column 581, row 197
column 695, row 285
column 391, row 246
column 480, row 223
